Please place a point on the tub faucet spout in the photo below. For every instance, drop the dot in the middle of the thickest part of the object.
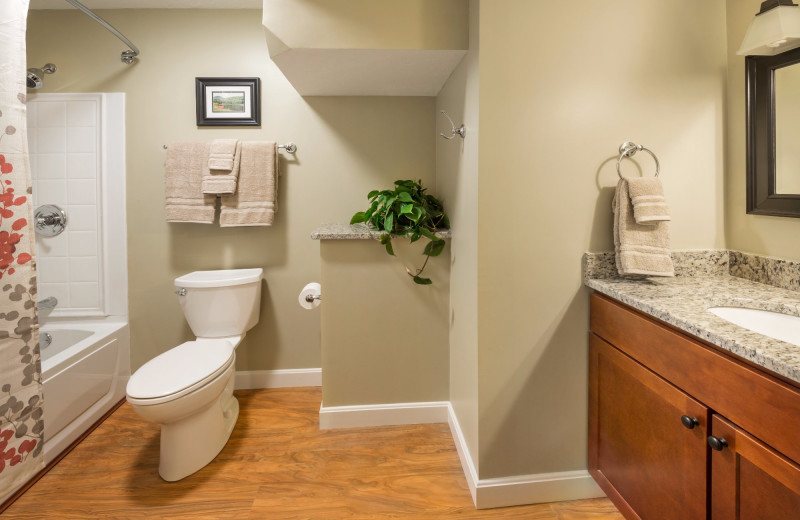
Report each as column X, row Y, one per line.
column 47, row 303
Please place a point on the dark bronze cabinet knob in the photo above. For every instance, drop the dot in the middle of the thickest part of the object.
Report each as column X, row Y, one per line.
column 717, row 443
column 689, row 422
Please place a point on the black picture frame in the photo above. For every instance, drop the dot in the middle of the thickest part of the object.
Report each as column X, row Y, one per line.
column 228, row 101
column 762, row 198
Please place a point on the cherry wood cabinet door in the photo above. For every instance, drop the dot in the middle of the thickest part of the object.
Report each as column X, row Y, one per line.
column 749, row 480
column 651, row 464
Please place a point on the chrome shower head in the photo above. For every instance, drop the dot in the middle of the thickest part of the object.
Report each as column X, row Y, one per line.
column 35, row 76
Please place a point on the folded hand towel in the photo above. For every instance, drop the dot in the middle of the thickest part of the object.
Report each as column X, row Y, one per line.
column 220, row 154
column 223, row 171
column 255, row 201
column 185, row 165
column 640, row 249
column 649, row 204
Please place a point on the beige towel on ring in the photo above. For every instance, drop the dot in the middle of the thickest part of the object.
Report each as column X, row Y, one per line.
column 640, row 249
column 186, row 163
column 223, row 165
column 256, row 199
column 647, row 197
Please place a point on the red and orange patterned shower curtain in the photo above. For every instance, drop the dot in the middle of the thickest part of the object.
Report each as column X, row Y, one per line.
column 21, row 423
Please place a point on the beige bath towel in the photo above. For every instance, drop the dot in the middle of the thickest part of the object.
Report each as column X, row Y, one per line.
column 255, row 201
column 640, row 249
column 649, row 204
column 185, row 166
column 223, row 167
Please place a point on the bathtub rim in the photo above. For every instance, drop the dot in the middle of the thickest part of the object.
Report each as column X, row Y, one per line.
column 100, row 328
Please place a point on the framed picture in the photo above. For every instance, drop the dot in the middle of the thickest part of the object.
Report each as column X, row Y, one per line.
column 228, row 101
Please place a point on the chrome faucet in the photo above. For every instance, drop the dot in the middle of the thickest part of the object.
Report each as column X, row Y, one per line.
column 47, row 303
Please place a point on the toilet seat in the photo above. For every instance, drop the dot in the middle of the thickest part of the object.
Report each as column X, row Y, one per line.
column 180, row 371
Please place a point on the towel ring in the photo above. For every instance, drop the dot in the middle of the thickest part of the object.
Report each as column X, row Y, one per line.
column 628, row 150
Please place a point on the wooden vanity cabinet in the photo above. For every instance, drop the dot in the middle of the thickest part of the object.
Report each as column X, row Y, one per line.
column 658, row 399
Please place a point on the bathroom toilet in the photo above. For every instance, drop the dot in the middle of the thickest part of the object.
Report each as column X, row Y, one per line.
column 188, row 389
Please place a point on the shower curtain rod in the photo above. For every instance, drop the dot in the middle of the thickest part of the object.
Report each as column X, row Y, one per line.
column 127, row 56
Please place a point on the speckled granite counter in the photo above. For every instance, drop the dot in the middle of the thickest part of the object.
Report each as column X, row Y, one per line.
column 682, row 302
column 356, row 232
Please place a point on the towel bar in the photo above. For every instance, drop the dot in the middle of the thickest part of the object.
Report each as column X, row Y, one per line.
column 628, row 150
column 290, row 147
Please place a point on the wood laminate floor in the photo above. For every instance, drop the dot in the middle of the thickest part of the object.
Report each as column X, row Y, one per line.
column 277, row 465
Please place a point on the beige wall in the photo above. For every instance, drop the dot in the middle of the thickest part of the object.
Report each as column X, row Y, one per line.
column 773, row 236
column 347, row 146
column 369, row 24
column 558, row 94
column 384, row 338
column 457, row 183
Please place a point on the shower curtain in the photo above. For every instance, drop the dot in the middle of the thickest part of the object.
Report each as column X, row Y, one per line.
column 21, row 424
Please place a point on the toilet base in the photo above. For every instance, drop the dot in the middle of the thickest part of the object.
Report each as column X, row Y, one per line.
column 189, row 444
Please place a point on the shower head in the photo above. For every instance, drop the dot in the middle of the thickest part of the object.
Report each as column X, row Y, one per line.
column 35, row 76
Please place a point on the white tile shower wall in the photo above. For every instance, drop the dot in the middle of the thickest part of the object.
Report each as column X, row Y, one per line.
column 64, row 145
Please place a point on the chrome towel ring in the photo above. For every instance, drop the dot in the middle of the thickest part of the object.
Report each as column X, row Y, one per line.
column 628, row 150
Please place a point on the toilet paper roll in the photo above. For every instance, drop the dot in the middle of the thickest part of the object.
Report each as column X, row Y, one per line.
column 313, row 289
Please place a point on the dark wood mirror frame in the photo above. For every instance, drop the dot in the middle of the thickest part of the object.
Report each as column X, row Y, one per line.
column 762, row 198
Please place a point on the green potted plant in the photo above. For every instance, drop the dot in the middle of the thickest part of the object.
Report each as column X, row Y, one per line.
column 407, row 210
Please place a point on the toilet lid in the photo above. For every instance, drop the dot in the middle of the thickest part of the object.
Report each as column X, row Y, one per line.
column 179, row 368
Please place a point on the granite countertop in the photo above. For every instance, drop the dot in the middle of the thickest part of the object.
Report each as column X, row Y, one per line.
column 683, row 303
column 356, row 232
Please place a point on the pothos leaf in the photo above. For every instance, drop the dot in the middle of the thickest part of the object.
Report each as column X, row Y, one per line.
column 359, row 217
column 386, row 240
column 434, row 248
column 422, row 281
column 388, row 222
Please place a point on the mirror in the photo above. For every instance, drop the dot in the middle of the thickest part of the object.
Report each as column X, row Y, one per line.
column 787, row 129
column 773, row 134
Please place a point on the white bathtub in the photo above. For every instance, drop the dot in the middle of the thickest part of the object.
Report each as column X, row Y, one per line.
column 84, row 371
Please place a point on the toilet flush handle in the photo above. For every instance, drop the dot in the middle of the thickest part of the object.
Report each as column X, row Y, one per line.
column 181, row 291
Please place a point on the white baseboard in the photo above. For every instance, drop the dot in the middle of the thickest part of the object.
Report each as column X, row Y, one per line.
column 463, row 453
column 520, row 489
column 249, row 379
column 382, row 414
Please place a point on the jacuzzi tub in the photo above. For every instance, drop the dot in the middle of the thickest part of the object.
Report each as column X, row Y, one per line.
column 84, row 371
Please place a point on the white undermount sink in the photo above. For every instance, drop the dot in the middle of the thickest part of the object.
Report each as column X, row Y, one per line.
column 776, row 325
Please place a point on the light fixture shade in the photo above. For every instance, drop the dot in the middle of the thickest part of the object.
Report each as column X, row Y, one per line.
column 772, row 32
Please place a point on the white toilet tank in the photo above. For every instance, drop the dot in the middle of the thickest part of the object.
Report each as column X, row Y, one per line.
column 221, row 303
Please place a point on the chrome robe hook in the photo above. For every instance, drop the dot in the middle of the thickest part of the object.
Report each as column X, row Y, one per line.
column 461, row 130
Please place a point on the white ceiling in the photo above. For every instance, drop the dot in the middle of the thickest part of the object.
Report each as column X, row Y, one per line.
column 150, row 4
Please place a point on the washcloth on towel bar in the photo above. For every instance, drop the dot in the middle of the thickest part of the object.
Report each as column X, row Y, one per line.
column 221, row 153
column 640, row 249
column 255, row 201
column 649, row 204
column 224, row 156
column 186, row 163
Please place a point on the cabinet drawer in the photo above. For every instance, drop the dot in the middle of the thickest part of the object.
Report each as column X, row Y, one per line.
column 757, row 402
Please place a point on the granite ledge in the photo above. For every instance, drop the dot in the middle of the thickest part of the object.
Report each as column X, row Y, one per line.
column 357, row 232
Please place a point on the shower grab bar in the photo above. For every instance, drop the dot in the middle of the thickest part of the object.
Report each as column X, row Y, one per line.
column 126, row 56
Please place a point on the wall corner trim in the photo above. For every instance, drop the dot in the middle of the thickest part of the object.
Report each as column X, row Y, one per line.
column 520, row 489
column 249, row 379
column 382, row 414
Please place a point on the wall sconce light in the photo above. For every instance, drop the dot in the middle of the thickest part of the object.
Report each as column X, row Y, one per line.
column 775, row 29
